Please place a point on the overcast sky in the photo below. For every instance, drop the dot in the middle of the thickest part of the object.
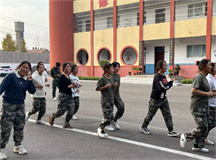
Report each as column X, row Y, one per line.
column 34, row 14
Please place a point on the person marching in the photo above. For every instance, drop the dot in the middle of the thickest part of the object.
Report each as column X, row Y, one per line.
column 159, row 100
column 55, row 74
column 199, row 106
column 39, row 100
column 14, row 86
column 117, row 99
column 212, row 102
column 106, row 85
column 76, row 89
column 44, row 72
column 65, row 99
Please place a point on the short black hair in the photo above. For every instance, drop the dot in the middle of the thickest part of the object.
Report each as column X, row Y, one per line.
column 64, row 65
column 38, row 65
column 73, row 67
column 115, row 64
column 58, row 64
column 160, row 64
column 25, row 62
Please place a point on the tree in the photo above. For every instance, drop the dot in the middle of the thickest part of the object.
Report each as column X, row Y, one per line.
column 8, row 44
column 23, row 46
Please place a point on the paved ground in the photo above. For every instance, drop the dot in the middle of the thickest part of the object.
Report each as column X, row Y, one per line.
column 55, row 143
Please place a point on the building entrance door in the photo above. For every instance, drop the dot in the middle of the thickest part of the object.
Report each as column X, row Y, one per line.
column 159, row 55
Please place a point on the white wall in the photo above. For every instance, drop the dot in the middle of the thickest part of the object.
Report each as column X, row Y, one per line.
column 214, row 7
column 181, row 49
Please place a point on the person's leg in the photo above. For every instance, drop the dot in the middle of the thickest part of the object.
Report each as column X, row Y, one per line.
column 7, row 120
column 153, row 107
column 54, row 85
column 76, row 103
column 42, row 110
column 120, row 108
column 211, row 118
column 36, row 106
column 19, row 124
column 165, row 110
column 70, row 109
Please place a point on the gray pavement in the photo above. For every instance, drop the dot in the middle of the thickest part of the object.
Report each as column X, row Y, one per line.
column 45, row 142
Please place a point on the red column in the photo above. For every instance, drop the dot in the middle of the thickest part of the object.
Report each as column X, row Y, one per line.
column 141, row 42
column 114, row 30
column 172, row 39
column 92, row 37
column 208, row 31
column 61, row 21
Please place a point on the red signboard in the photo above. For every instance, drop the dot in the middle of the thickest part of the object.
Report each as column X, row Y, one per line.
column 103, row 3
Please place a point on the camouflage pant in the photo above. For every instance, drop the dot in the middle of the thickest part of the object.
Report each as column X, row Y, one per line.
column 200, row 132
column 39, row 104
column 55, row 83
column 13, row 115
column 77, row 103
column 107, row 109
column 154, row 105
column 211, row 118
column 120, row 108
column 65, row 103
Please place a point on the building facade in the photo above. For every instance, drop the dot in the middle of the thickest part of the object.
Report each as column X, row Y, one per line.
column 135, row 33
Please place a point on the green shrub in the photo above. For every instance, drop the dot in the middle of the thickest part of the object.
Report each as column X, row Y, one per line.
column 187, row 81
column 89, row 78
column 102, row 63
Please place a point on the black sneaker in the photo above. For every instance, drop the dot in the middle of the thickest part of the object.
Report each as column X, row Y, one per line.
column 173, row 134
column 67, row 125
column 145, row 130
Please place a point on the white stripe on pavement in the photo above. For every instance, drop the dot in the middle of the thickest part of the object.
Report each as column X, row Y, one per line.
column 134, row 142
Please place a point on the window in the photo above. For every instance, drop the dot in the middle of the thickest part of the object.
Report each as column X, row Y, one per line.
column 196, row 51
column 88, row 25
column 82, row 22
column 104, row 54
column 199, row 9
column 129, row 56
column 160, row 15
column 82, row 57
column 109, row 22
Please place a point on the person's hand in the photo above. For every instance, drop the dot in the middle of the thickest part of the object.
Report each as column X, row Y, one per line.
column 172, row 80
column 58, row 75
column 40, row 86
column 210, row 94
column 30, row 77
column 80, row 85
column 47, row 85
column 108, row 85
column 116, row 84
column 46, row 79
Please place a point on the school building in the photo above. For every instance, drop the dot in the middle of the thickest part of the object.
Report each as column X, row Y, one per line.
column 136, row 33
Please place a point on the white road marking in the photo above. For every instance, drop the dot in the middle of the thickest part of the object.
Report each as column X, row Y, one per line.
column 173, row 151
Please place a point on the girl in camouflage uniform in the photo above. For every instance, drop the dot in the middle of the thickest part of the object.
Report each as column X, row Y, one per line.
column 14, row 86
column 106, row 85
column 199, row 106
column 65, row 99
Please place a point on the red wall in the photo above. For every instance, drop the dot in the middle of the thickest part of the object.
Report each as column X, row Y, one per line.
column 61, row 22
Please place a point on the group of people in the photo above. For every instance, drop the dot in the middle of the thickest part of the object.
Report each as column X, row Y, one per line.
column 15, row 85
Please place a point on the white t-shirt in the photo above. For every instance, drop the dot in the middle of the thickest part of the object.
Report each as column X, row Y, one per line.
column 75, row 91
column 44, row 73
column 212, row 84
column 39, row 80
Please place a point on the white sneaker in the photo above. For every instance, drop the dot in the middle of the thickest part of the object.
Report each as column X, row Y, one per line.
column 183, row 140
column 39, row 122
column 20, row 150
column 115, row 125
column 27, row 116
column 54, row 98
column 109, row 128
column 3, row 154
column 101, row 133
column 208, row 141
column 200, row 149
column 74, row 117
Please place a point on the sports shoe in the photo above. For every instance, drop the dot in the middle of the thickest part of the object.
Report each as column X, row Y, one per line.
column 208, row 141
column 145, row 130
column 27, row 116
column 201, row 149
column 173, row 134
column 51, row 120
column 19, row 150
column 67, row 125
column 183, row 140
column 101, row 133
column 3, row 154
column 109, row 128
column 39, row 122
column 115, row 125
column 54, row 98
column 74, row 117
